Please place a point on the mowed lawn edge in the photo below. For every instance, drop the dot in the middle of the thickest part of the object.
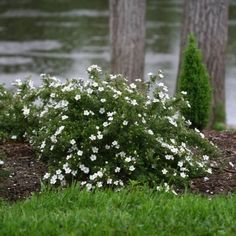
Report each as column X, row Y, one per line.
column 128, row 212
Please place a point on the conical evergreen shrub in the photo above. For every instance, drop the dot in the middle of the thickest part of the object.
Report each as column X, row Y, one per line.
column 195, row 80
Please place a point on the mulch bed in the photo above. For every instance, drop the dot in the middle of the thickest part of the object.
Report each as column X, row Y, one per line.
column 22, row 172
column 223, row 178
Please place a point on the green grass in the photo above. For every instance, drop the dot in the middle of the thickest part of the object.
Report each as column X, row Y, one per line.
column 129, row 212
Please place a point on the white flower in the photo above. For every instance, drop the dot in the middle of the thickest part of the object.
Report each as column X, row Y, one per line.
column 59, row 130
column 184, row 92
column 93, row 177
column 46, row 176
column 133, row 102
column 117, row 169
column 53, row 180
column 102, row 110
column 205, row 157
column 105, row 124
column 188, row 122
column 133, row 86
column 26, row 111
column 84, row 169
column 43, row 144
column 94, row 68
column 100, row 136
column 89, row 91
column 92, row 137
column 127, row 159
column 60, row 177
column 68, row 157
column 99, row 184
column 172, row 121
column 53, row 139
column 64, row 117
column 52, row 95
column 197, row 130
column 99, row 174
column 103, row 100
column 80, row 153
column 13, row 137
column 209, row 170
column 95, row 149
column 74, row 172
column 77, row 97
column 183, row 175
column 164, row 171
column 107, row 147
column 109, row 181
column 61, row 104
column 131, row 168
column 100, row 89
column 93, row 157
column 67, row 170
column 72, row 142
column 180, row 164
column 169, row 157
column 125, row 122
column 89, row 186
column 150, row 132
column 86, row 113
column 114, row 143
column 58, row 172
column 95, row 84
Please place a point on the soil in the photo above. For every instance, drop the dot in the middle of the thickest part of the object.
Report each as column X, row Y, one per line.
column 223, row 178
column 22, row 172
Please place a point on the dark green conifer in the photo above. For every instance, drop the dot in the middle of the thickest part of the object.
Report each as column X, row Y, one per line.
column 195, row 80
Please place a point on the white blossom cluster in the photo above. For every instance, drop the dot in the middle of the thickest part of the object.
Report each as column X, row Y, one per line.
column 104, row 132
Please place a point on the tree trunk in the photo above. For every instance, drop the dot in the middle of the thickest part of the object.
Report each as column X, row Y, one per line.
column 127, row 35
column 208, row 21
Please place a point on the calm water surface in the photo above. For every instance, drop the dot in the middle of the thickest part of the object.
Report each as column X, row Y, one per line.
column 64, row 37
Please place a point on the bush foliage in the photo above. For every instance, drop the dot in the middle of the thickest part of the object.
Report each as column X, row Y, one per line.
column 103, row 132
column 194, row 79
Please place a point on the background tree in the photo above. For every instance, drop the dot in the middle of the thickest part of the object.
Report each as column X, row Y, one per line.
column 208, row 20
column 127, row 35
column 194, row 80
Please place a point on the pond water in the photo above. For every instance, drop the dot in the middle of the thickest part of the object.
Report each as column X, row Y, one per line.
column 64, row 37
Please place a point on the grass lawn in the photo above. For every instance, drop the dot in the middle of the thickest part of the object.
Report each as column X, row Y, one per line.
column 129, row 212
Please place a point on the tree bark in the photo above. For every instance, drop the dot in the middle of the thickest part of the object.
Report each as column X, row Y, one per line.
column 127, row 36
column 208, row 21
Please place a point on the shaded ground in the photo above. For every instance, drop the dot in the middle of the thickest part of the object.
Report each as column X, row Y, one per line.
column 22, row 172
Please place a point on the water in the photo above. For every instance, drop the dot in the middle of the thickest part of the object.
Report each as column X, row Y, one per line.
column 64, row 37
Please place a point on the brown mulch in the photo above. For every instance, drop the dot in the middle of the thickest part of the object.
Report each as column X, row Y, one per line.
column 22, row 171
column 223, row 178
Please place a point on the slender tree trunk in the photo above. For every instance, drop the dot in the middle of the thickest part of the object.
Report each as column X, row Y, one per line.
column 127, row 35
column 208, row 20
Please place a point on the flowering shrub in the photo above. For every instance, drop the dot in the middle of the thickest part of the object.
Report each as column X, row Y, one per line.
column 12, row 121
column 105, row 133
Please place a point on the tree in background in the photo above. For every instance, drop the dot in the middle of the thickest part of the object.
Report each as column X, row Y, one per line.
column 194, row 80
column 127, row 35
column 208, row 20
